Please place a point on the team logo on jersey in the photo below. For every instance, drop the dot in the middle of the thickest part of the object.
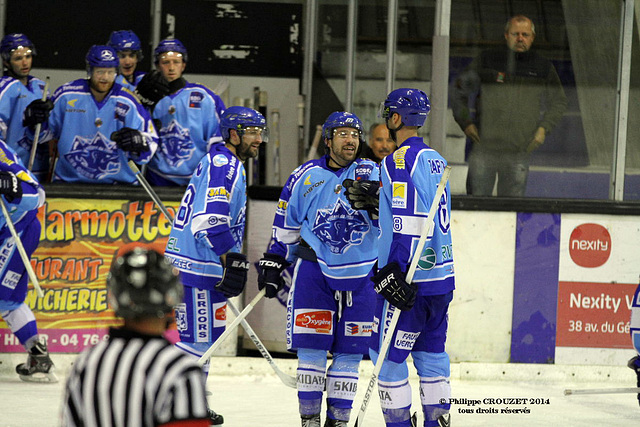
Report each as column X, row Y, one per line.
column 358, row 329
column 310, row 321
column 94, row 158
column 122, row 110
column 195, row 99
column 340, row 227
column 237, row 230
column 399, row 197
column 177, row 145
column 398, row 157
column 220, row 160
column 181, row 317
column 428, row 259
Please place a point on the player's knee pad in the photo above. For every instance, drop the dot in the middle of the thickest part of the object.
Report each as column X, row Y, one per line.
column 311, row 379
column 22, row 322
column 431, row 364
column 391, row 371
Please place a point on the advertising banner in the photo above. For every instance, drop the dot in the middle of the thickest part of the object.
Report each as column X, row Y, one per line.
column 77, row 243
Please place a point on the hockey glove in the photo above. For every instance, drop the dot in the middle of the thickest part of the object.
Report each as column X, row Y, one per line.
column 363, row 195
column 270, row 271
column 10, row 185
column 390, row 283
column 37, row 112
column 152, row 88
column 130, row 140
column 235, row 275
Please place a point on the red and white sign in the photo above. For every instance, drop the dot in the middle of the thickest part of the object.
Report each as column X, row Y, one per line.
column 309, row 321
column 590, row 245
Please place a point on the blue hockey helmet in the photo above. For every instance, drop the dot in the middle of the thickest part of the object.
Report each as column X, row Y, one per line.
column 143, row 283
column 125, row 40
column 169, row 45
column 102, row 56
column 342, row 119
column 239, row 118
column 412, row 105
column 13, row 41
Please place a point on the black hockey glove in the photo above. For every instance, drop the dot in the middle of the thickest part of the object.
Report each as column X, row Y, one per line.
column 37, row 112
column 152, row 88
column 235, row 275
column 270, row 271
column 10, row 185
column 363, row 195
column 390, row 283
column 130, row 140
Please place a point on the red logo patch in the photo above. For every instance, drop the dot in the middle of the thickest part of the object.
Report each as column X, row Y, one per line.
column 221, row 313
column 590, row 245
column 320, row 321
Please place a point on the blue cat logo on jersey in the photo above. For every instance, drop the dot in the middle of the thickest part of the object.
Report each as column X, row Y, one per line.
column 237, row 230
column 340, row 227
column 94, row 158
column 195, row 99
column 176, row 146
column 121, row 111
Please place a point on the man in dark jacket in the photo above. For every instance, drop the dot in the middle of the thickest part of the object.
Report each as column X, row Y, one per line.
column 520, row 99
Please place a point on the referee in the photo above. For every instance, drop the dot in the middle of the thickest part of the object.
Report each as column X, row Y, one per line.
column 136, row 377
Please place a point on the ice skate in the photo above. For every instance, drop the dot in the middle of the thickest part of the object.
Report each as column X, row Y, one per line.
column 634, row 363
column 215, row 419
column 335, row 423
column 310, row 420
column 444, row 420
column 39, row 367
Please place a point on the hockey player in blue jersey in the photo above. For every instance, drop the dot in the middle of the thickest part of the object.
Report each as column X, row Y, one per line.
column 205, row 243
column 127, row 44
column 21, row 104
column 334, row 247
column 634, row 324
column 23, row 196
column 188, row 115
column 409, row 178
column 99, row 125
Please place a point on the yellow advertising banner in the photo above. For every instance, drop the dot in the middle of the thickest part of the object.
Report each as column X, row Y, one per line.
column 77, row 243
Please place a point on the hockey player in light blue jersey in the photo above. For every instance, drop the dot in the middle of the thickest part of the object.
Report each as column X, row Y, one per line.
column 19, row 90
column 205, row 243
column 188, row 116
column 22, row 195
column 634, row 362
column 99, row 125
column 127, row 44
column 334, row 247
column 409, row 178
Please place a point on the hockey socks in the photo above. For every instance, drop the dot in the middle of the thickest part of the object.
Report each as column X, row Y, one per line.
column 311, row 380
column 22, row 323
column 434, row 371
column 342, row 384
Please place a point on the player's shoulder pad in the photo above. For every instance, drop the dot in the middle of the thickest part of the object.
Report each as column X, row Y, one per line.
column 196, row 86
column 302, row 171
column 6, row 82
column 79, row 85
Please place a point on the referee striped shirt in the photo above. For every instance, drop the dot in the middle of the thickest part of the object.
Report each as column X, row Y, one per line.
column 133, row 380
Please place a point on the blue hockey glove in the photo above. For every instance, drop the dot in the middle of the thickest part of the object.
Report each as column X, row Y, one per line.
column 10, row 185
column 270, row 271
column 390, row 283
column 130, row 140
column 37, row 112
column 363, row 195
column 235, row 275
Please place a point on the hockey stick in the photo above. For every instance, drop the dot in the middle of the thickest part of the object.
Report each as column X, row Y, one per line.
column 288, row 380
column 143, row 181
column 230, row 328
column 21, row 250
column 36, row 137
column 602, row 391
column 314, row 144
column 426, row 231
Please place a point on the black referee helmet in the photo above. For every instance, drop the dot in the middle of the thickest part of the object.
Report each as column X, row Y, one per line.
column 143, row 283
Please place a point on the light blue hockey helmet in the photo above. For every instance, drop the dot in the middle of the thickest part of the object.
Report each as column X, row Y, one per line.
column 125, row 40
column 169, row 45
column 240, row 118
column 13, row 41
column 102, row 56
column 412, row 105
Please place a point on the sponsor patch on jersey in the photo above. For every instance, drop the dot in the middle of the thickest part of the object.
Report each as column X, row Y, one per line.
column 220, row 160
column 363, row 171
column 310, row 321
column 398, row 157
column 405, row 340
column 307, row 180
column 358, row 329
column 399, row 197
column 121, row 111
column 195, row 99
column 217, row 193
column 72, row 103
column 11, row 279
column 428, row 259
column 182, row 322
column 282, row 207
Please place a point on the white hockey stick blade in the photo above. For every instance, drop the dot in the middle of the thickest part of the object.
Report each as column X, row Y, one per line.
column 288, row 380
column 230, row 328
column 386, row 343
column 21, row 250
column 569, row 392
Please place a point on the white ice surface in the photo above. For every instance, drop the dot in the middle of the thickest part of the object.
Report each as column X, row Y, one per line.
column 246, row 393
